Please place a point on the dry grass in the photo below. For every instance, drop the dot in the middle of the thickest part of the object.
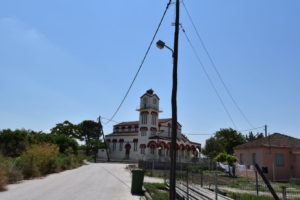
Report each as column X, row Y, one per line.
column 3, row 179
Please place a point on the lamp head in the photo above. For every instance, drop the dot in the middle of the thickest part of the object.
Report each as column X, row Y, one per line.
column 160, row 44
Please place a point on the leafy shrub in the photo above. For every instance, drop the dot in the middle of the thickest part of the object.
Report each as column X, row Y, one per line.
column 13, row 173
column 39, row 160
column 65, row 143
column 14, row 143
column 3, row 178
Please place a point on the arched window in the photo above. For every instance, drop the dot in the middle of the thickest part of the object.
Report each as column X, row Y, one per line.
column 153, row 118
column 145, row 101
column 144, row 116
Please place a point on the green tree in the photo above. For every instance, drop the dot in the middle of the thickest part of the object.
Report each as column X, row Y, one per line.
column 229, row 159
column 14, row 143
column 91, row 133
column 212, row 148
column 68, row 129
column 229, row 138
column 251, row 137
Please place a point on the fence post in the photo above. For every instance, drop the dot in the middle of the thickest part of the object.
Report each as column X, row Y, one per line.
column 187, row 183
column 201, row 178
column 216, row 187
column 284, row 193
column 256, row 182
column 152, row 167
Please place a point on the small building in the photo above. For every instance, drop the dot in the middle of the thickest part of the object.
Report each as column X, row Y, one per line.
column 278, row 156
column 149, row 138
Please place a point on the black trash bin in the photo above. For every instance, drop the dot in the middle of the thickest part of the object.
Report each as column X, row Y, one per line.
column 137, row 181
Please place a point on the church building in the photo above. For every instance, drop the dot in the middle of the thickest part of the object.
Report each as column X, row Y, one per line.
column 149, row 138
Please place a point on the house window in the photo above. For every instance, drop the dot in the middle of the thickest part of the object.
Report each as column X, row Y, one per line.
column 152, row 150
column 135, row 146
column 114, row 146
column 121, row 146
column 279, row 160
column 142, row 150
column 241, row 159
column 143, row 132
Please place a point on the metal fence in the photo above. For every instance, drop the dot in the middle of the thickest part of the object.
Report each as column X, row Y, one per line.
column 203, row 180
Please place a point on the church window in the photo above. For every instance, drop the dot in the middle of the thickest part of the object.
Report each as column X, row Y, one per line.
column 143, row 132
column 145, row 100
column 153, row 119
column 142, row 150
column 114, row 146
column 121, row 146
column 135, row 146
column 154, row 101
column 153, row 132
column 152, row 150
column 144, row 118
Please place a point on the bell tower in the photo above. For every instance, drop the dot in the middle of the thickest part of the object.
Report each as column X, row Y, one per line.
column 149, row 110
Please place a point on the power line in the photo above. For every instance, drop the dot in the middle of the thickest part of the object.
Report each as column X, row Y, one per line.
column 143, row 60
column 110, row 120
column 252, row 129
column 215, row 68
column 208, row 77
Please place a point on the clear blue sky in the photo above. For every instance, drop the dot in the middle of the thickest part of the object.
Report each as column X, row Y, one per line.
column 74, row 60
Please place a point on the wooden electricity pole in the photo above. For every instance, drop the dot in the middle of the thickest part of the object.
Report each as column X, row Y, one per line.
column 102, row 132
column 172, row 191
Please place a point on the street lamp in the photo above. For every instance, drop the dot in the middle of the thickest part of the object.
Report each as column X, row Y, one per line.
column 160, row 44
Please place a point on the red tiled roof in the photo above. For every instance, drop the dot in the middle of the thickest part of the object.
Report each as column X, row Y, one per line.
column 137, row 122
column 128, row 123
column 123, row 134
column 274, row 140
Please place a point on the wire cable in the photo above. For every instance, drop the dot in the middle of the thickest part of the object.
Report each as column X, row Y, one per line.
column 252, row 129
column 208, row 77
column 215, row 68
column 143, row 60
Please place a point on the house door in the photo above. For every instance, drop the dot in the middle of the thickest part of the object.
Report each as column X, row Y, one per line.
column 127, row 151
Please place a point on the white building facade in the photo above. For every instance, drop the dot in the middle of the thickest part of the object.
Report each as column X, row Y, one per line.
column 150, row 137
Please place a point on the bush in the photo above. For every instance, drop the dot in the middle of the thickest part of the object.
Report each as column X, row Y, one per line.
column 13, row 173
column 157, row 191
column 14, row 143
column 3, row 178
column 39, row 160
column 65, row 143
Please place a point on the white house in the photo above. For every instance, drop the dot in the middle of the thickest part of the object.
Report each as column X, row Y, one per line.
column 150, row 137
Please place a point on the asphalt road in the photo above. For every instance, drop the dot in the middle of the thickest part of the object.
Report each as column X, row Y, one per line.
column 107, row 181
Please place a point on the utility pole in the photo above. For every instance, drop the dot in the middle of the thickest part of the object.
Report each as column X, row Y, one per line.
column 266, row 130
column 172, row 194
column 102, row 132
